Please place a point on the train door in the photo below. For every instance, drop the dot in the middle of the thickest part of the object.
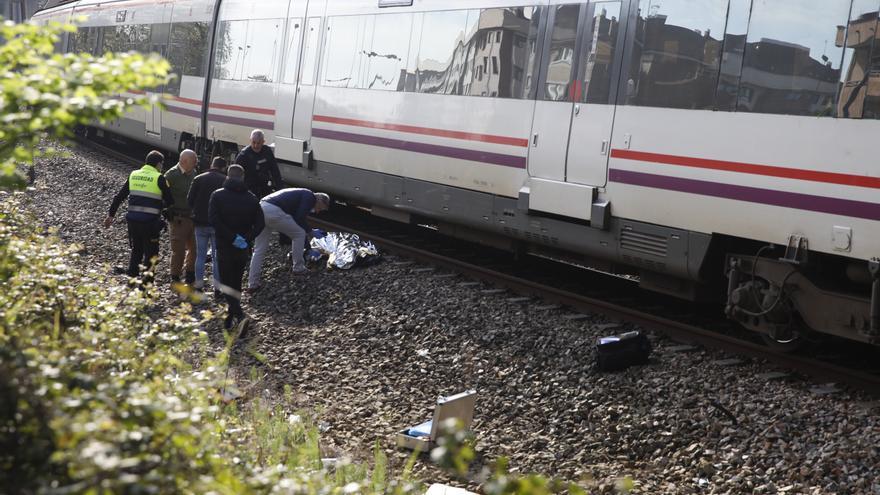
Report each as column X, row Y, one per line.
column 293, row 42
column 553, row 108
column 598, row 73
column 160, row 31
column 308, row 76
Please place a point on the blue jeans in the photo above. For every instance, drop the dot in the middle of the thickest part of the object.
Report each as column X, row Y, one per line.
column 205, row 235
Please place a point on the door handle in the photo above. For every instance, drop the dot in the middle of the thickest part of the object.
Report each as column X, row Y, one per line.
column 535, row 140
column 577, row 109
column 604, row 150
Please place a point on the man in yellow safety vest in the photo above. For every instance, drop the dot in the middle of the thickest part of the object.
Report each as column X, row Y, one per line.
column 148, row 194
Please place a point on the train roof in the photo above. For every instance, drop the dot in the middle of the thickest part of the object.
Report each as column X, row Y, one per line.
column 51, row 4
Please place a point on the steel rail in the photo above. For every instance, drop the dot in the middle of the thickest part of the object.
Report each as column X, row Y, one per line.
column 677, row 330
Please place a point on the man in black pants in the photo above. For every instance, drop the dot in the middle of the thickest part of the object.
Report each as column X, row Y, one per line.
column 237, row 219
column 148, row 194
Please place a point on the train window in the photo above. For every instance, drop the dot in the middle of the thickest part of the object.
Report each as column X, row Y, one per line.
column 346, row 53
column 262, row 50
column 410, row 76
column 313, row 36
column 188, row 47
column 861, row 63
column 732, row 55
column 560, row 61
column 291, row 50
column 230, row 50
column 159, row 33
column 85, row 40
column 506, row 56
column 677, row 53
column 109, row 41
column 386, row 60
column 598, row 55
column 792, row 64
column 442, row 52
column 187, row 50
column 133, row 37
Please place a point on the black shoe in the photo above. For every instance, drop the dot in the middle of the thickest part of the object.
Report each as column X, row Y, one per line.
column 229, row 322
column 190, row 278
column 175, row 279
column 243, row 326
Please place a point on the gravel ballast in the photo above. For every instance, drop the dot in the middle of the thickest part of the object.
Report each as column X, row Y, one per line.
column 369, row 350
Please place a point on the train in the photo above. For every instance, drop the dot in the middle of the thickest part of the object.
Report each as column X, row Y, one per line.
column 720, row 150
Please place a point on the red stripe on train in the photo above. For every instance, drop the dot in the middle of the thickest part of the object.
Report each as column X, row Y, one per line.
column 425, row 131
column 225, row 106
column 750, row 168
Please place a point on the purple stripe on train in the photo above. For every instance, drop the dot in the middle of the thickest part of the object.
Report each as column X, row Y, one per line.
column 428, row 149
column 184, row 111
column 807, row 202
column 227, row 119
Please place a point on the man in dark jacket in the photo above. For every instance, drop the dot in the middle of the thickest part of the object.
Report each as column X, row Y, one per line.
column 148, row 194
column 203, row 186
column 237, row 219
column 261, row 174
column 286, row 211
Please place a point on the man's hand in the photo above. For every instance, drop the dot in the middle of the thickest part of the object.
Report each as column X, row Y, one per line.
column 108, row 222
column 240, row 242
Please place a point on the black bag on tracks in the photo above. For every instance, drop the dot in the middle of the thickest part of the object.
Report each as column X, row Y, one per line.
column 619, row 352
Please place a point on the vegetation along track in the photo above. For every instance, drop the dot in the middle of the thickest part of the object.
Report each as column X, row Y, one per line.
column 590, row 292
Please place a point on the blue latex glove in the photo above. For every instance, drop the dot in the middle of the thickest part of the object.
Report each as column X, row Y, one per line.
column 313, row 254
column 240, row 242
column 318, row 233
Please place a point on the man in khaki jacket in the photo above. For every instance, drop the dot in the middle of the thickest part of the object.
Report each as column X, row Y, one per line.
column 183, row 240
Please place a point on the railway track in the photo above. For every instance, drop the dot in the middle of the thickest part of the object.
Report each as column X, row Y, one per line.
column 615, row 298
column 677, row 330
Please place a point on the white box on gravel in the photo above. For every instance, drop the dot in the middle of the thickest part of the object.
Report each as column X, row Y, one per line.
column 422, row 437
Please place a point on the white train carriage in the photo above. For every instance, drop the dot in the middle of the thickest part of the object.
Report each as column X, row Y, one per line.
column 679, row 138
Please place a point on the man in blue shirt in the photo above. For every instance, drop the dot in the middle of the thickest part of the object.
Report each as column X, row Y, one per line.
column 285, row 211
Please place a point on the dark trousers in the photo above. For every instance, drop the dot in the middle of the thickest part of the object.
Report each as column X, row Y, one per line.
column 143, row 237
column 231, row 261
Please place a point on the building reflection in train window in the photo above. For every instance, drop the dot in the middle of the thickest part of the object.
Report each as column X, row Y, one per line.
column 732, row 56
column 860, row 82
column 410, row 81
column 560, row 62
column 500, row 53
column 441, row 53
column 792, row 64
column 597, row 57
column 677, row 53
column 386, row 58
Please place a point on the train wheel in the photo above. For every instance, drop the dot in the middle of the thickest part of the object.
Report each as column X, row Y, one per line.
column 783, row 338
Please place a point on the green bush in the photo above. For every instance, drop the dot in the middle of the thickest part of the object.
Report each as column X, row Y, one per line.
column 93, row 398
